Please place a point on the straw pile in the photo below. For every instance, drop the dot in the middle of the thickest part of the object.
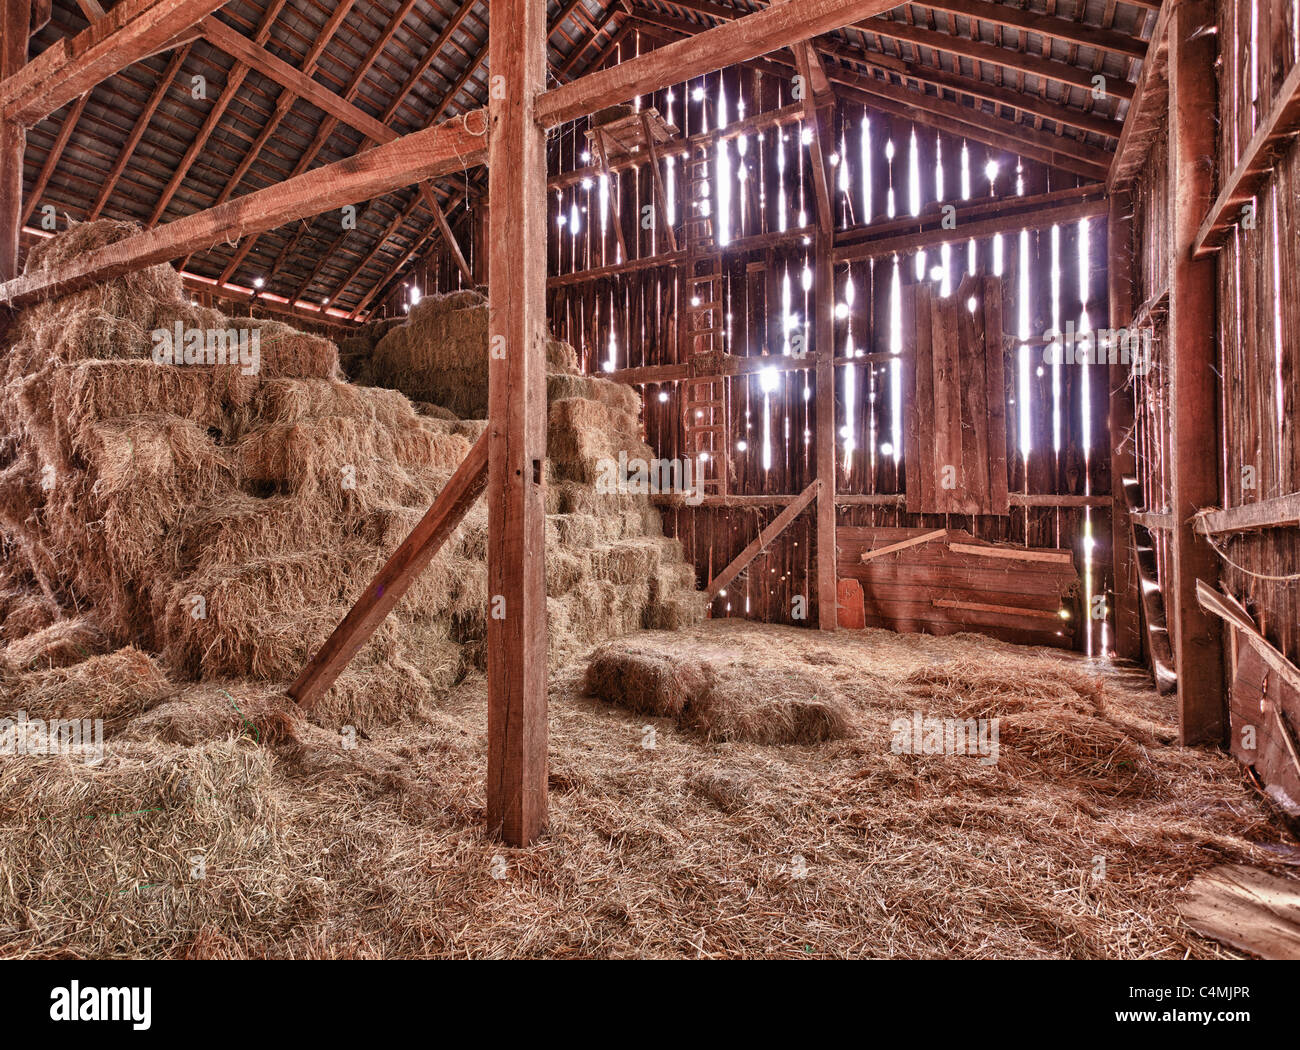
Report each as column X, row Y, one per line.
column 665, row 845
column 221, row 824
column 227, row 521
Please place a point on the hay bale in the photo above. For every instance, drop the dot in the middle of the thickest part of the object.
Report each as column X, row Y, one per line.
column 720, row 699
column 228, row 521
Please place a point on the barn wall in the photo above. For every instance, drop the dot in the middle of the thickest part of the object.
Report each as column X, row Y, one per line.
column 1259, row 319
column 884, row 169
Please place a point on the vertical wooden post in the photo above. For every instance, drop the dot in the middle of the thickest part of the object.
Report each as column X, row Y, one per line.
column 15, row 25
column 1193, row 441
column 516, row 637
column 1123, row 460
column 827, row 556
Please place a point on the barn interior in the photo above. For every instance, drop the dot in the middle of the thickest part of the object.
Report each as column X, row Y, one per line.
column 649, row 478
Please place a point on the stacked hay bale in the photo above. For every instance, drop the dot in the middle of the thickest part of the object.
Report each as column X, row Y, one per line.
column 227, row 521
column 610, row 569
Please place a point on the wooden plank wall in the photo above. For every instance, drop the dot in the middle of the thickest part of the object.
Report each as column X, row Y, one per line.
column 1259, row 320
column 629, row 319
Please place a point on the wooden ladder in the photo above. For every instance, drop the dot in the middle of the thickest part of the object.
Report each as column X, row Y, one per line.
column 704, row 408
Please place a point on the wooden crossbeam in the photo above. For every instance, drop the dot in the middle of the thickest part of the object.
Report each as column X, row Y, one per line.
column 137, row 132
column 1276, row 513
column 780, row 25
column 435, row 151
column 1148, row 110
column 132, row 30
column 763, row 540
column 401, row 569
column 235, row 44
column 993, row 13
column 942, row 80
column 1275, row 132
column 52, row 158
column 1044, row 25
column 1058, row 151
column 1013, row 553
column 1062, row 73
column 1231, row 611
column 217, row 106
column 1000, row 610
column 932, row 234
column 901, row 545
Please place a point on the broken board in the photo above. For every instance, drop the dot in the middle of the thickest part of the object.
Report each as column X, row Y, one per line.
column 1246, row 909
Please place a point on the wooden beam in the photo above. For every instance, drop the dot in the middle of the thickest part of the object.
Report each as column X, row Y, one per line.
column 1000, row 610
column 824, row 439
column 1231, row 611
column 516, row 638
column 401, row 569
column 132, row 30
column 1048, row 145
column 137, row 132
column 274, row 304
column 1277, row 513
column 249, row 52
column 1276, row 132
column 1013, row 553
column 764, row 539
column 1193, row 439
column 780, row 25
column 56, row 151
column 1062, row 29
column 1062, row 73
column 1057, row 151
column 431, row 202
column 817, row 117
column 438, row 150
column 933, row 234
column 1149, row 109
column 15, row 18
column 217, row 106
column 1123, row 457
column 894, row 548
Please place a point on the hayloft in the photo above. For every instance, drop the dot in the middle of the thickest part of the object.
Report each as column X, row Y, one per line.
column 656, row 478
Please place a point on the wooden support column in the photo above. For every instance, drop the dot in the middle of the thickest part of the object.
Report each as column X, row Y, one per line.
column 1193, row 442
column 15, row 18
column 827, row 556
column 1123, row 458
column 516, row 638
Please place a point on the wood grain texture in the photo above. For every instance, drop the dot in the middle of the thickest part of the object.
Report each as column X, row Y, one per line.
column 438, row 150
column 516, row 636
column 392, row 581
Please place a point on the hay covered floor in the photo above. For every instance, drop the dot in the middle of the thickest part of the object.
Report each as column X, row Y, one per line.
column 703, row 846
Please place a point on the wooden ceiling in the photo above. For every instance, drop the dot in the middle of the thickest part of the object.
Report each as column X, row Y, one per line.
column 289, row 85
